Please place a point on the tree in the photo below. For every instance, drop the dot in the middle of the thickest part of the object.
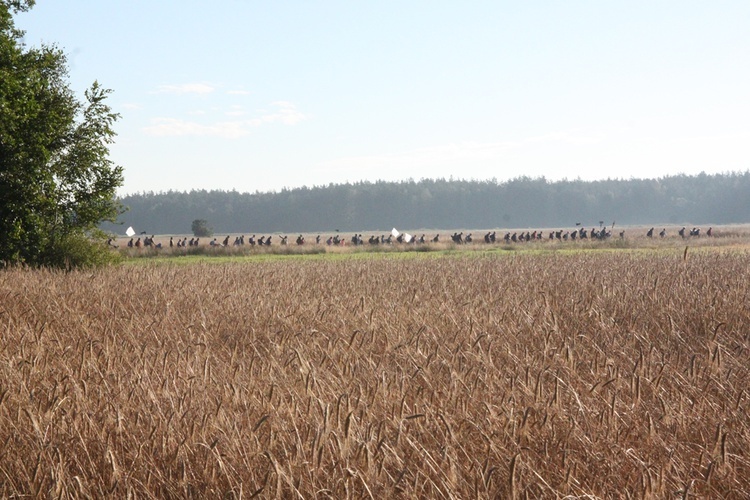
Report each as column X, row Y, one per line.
column 200, row 228
column 56, row 181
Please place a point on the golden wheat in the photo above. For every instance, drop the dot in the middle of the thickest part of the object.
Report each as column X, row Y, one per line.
column 606, row 374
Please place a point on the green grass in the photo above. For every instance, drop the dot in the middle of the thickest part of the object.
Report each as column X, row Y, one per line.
column 260, row 257
column 727, row 239
column 366, row 252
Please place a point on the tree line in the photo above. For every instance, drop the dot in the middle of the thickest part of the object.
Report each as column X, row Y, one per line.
column 445, row 204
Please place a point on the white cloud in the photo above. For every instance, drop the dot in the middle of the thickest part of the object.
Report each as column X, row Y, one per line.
column 173, row 127
column 185, row 88
column 286, row 114
column 236, row 111
column 238, row 92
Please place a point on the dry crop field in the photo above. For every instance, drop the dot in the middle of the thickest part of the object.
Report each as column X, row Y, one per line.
column 602, row 374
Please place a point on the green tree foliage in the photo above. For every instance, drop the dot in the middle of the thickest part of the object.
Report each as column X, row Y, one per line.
column 201, row 228
column 56, row 181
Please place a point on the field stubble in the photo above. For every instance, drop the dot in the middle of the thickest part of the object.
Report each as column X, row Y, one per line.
column 616, row 374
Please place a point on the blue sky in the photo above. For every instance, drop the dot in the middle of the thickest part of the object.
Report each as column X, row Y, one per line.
column 258, row 95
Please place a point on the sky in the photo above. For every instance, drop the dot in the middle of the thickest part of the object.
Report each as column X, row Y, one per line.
column 260, row 96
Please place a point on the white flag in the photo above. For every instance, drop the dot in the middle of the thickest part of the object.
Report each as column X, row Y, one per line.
column 395, row 233
column 407, row 237
column 130, row 231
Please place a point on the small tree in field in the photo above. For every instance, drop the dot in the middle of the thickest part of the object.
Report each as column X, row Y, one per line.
column 56, row 181
column 201, row 228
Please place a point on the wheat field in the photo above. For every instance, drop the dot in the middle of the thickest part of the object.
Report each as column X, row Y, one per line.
column 589, row 374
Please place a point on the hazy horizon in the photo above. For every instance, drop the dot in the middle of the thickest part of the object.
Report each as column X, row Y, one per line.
column 417, row 181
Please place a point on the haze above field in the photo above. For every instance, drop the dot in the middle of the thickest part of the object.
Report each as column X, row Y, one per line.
column 260, row 95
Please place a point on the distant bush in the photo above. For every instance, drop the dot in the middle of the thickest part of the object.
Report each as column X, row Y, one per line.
column 201, row 228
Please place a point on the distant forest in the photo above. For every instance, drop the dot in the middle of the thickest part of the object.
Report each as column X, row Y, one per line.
column 446, row 204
